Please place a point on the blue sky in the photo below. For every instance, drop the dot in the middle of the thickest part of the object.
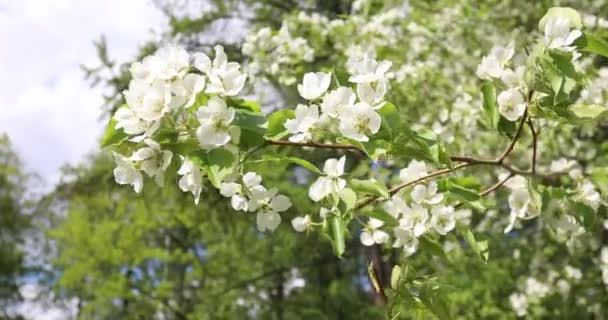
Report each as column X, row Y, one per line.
column 46, row 107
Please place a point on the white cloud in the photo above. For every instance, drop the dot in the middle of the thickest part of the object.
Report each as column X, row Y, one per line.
column 46, row 107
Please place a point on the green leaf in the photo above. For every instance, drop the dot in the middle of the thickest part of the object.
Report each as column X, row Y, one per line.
column 221, row 163
column 244, row 105
column 594, row 44
column 276, row 123
column 183, row 147
column 431, row 298
column 583, row 213
column 253, row 127
column 382, row 215
column 391, row 122
column 372, row 187
column 113, row 136
column 334, row 228
column 458, row 191
column 429, row 245
column 349, row 198
column 479, row 247
column 489, row 104
column 589, row 111
column 285, row 159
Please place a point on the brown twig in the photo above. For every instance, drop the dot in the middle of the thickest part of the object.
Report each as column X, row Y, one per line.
column 534, row 138
column 515, row 138
column 314, row 145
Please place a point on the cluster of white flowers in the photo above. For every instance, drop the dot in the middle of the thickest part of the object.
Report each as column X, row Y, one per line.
column 533, row 290
column 168, row 82
column 249, row 195
column 597, row 91
column 424, row 214
column 340, row 112
column 149, row 159
column 511, row 102
column 274, row 54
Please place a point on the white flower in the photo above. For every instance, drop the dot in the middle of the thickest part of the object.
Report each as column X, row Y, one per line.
column 252, row 179
column 268, row 220
column 558, row 35
column 414, row 171
column 330, row 183
column 443, row 220
column 562, row 165
column 149, row 101
column 225, row 78
column 301, row 224
column 573, row 273
column 305, row 120
column 493, row 65
column 314, row 85
column 191, row 180
column 511, row 104
column 414, row 219
column 130, row 122
column 185, row 90
column 125, row 172
column 175, row 62
column 536, row 289
column 588, row 195
column 406, row 239
column 148, row 70
column 513, row 78
column 372, row 233
column 604, row 255
column 369, row 70
column 359, row 121
column 372, row 92
column 154, row 161
column 521, row 206
column 229, row 189
column 519, row 303
column 426, row 194
column 337, row 102
column 215, row 120
column 261, row 198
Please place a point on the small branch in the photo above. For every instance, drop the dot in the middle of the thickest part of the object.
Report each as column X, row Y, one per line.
column 314, row 145
column 515, row 138
column 534, row 141
column 496, row 186
column 398, row 187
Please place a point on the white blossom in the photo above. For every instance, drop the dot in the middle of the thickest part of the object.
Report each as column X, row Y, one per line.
column 149, row 101
column 314, row 84
column 369, row 70
column 301, row 224
column 224, row 78
column 268, row 220
column 185, row 90
column 330, row 183
column 588, row 195
column 511, row 104
column 426, row 194
column 127, row 119
column 562, row 165
column 443, row 220
column 519, row 303
column 126, row 173
column 300, row 127
column 372, row 234
column 493, row 65
column 415, row 218
column 359, row 122
column 406, row 239
column 153, row 161
column 414, row 171
column 558, row 34
column 337, row 102
column 215, row 120
column 191, row 180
